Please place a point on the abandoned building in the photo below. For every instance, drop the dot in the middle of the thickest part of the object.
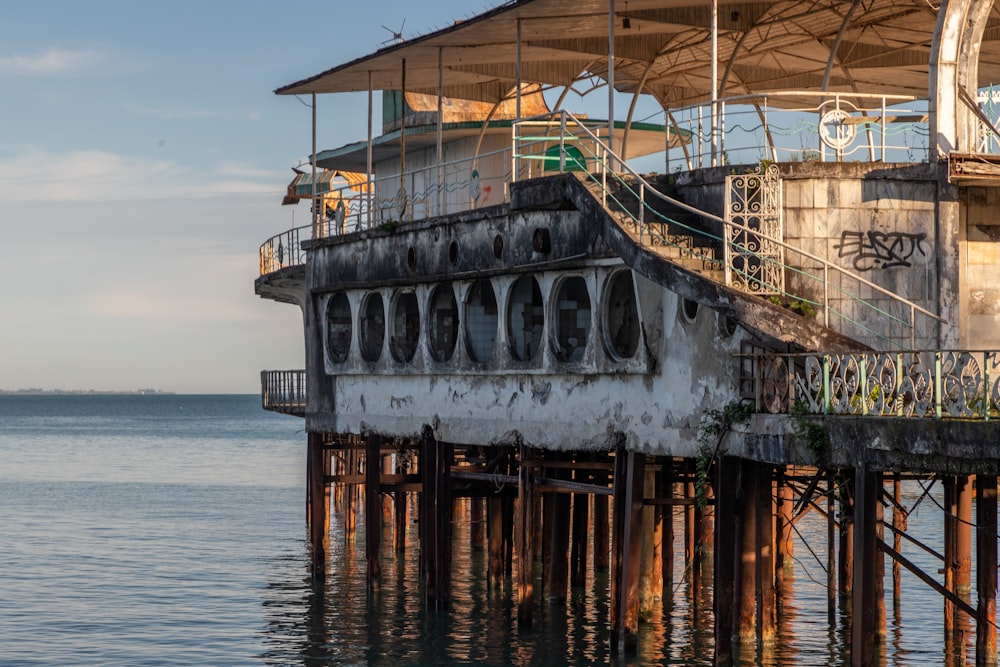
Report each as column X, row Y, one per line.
column 789, row 305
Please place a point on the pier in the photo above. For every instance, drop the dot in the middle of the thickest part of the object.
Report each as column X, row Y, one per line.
column 511, row 328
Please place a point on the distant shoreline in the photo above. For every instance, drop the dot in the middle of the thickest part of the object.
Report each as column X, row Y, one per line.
column 85, row 392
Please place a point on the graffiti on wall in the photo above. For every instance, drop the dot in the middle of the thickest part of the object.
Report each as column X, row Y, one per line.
column 869, row 250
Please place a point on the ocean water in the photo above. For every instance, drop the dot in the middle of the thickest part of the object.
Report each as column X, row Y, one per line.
column 169, row 530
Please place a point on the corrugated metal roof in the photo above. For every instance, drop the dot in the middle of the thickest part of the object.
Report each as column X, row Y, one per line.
column 772, row 45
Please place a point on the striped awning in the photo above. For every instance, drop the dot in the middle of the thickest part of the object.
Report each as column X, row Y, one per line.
column 327, row 181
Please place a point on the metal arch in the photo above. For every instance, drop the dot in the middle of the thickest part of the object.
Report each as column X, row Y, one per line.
column 631, row 109
column 836, row 44
column 943, row 79
column 977, row 16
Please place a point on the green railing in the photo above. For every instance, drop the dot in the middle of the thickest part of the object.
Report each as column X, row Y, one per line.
column 559, row 142
column 961, row 384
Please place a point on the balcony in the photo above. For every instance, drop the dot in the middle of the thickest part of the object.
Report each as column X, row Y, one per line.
column 284, row 392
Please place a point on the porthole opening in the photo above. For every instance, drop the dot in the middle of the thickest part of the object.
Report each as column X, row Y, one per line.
column 498, row 246
column 525, row 318
column 453, row 252
column 689, row 309
column 405, row 327
column 727, row 325
column 442, row 322
column 372, row 327
column 481, row 321
column 572, row 309
column 541, row 241
column 411, row 258
column 339, row 328
column 622, row 316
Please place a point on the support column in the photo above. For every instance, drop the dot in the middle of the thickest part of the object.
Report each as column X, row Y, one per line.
column 525, row 538
column 865, row 639
column 319, row 514
column 665, row 521
column 629, row 475
column 950, row 536
column 602, row 527
column 726, row 479
column 845, row 570
column 831, row 546
column 477, row 532
column 746, row 564
column 373, row 506
column 765, row 557
column 435, row 516
column 651, row 575
column 578, row 551
column 495, row 541
column 558, row 532
column 986, row 569
column 785, row 546
column 399, row 500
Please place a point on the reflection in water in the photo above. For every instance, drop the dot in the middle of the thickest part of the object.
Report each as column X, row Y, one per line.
column 345, row 624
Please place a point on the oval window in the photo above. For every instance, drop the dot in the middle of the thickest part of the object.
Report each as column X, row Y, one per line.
column 481, row 321
column 621, row 316
column 339, row 328
column 372, row 327
column 405, row 327
column 572, row 319
column 442, row 323
column 525, row 318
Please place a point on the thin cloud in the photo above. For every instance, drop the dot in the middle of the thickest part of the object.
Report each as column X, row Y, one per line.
column 52, row 62
column 33, row 174
column 129, row 304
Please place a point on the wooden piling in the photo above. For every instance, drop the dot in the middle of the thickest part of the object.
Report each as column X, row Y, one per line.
column 319, row 509
column 765, row 592
column 602, row 526
column 651, row 569
column 665, row 522
column 746, row 568
column 845, row 563
column 627, row 547
column 399, row 503
column 725, row 562
column 581, row 521
column 373, row 506
column 986, row 569
column 864, row 616
column 558, row 532
column 526, row 539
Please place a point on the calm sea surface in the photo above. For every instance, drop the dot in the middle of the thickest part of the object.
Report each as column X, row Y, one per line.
column 169, row 530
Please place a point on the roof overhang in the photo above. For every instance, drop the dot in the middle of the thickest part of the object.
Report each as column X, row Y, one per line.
column 664, row 51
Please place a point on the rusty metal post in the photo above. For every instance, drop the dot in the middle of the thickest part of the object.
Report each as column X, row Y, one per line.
column 746, row 567
column 950, row 538
column 864, row 602
column 399, row 500
column 578, row 551
column 477, row 529
column 602, row 527
column 651, row 574
column 665, row 522
column 766, row 619
column 319, row 518
column 725, row 482
column 494, row 541
column 986, row 569
column 627, row 546
column 526, row 539
column 373, row 507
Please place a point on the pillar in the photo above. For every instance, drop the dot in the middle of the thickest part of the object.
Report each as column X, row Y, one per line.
column 373, row 506
column 725, row 479
column 319, row 517
column 986, row 569
column 526, row 539
column 627, row 548
column 865, row 639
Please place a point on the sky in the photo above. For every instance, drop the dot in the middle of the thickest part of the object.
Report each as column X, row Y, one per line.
column 143, row 157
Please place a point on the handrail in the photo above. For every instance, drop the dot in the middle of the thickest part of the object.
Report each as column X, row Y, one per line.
column 928, row 384
column 606, row 158
column 283, row 391
column 283, row 250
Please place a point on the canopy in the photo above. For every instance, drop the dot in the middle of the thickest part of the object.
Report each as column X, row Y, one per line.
column 301, row 186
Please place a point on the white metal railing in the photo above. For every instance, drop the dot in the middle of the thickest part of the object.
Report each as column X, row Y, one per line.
column 562, row 142
column 283, row 391
column 794, row 126
column 962, row 384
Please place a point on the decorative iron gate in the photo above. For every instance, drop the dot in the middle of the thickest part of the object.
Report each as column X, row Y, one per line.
column 754, row 261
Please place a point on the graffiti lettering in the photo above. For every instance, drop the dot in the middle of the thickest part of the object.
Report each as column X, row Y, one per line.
column 877, row 250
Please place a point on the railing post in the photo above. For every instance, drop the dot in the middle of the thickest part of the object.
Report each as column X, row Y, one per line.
column 642, row 210
column 864, row 384
column 899, row 383
column 826, row 295
column 937, row 384
column 826, row 384
column 913, row 327
column 562, row 143
column 986, row 387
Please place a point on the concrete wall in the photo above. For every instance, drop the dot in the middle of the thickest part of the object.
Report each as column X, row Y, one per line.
column 980, row 250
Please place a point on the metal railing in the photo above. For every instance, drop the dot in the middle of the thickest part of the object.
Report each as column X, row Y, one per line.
column 959, row 384
column 283, row 250
column 560, row 142
column 284, row 392
column 799, row 126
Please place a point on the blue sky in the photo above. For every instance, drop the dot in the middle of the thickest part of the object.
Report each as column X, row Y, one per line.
column 142, row 162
